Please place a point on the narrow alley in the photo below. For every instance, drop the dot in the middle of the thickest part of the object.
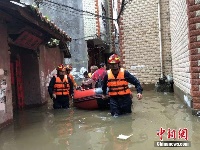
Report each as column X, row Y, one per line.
column 56, row 51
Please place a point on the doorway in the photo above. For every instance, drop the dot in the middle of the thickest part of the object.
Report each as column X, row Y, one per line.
column 25, row 79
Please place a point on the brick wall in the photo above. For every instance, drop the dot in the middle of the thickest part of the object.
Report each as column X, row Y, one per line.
column 185, row 33
column 166, row 37
column 89, row 24
column 139, row 40
column 111, row 25
column 97, row 18
column 193, row 10
column 179, row 44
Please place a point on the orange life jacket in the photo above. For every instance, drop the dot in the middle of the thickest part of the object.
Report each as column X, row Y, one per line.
column 117, row 86
column 61, row 87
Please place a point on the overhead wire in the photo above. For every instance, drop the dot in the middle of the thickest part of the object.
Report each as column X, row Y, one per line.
column 79, row 10
column 80, row 13
column 64, row 11
column 87, row 12
column 48, row 5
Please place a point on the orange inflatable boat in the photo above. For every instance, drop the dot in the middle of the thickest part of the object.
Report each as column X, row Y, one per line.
column 90, row 99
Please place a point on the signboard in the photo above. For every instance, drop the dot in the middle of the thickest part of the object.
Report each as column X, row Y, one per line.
column 28, row 40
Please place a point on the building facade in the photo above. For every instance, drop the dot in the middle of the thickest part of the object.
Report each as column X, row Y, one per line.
column 97, row 30
column 27, row 57
column 161, row 38
column 144, row 53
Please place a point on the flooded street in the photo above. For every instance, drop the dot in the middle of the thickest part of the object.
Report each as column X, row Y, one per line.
column 74, row 129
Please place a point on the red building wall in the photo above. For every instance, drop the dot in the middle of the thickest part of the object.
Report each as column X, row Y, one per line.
column 49, row 59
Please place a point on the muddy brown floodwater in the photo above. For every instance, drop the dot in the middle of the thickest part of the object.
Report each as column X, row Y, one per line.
column 74, row 129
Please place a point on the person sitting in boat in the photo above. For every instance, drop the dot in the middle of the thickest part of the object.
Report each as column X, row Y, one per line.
column 117, row 80
column 85, row 80
column 68, row 70
column 60, row 88
column 98, row 75
column 92, row 69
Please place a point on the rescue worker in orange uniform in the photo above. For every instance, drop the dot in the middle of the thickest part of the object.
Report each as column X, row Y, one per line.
column 60, row 88
column 68, row 70
column 117, row 80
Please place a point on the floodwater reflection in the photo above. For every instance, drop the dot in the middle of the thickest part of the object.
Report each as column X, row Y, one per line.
column 74, row 129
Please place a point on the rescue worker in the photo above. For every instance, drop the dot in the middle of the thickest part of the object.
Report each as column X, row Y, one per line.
column 117, row 80
column 60, row 88
column 68, row 70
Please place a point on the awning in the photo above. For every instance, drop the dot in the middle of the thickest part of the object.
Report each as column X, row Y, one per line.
column 97, row 42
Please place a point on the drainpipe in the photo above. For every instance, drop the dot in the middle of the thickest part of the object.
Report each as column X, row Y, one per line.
column 160, row 39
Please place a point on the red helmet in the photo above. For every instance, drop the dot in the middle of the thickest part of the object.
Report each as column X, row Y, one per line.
column 114, row 59
column 69, row 67
column 61, row 67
